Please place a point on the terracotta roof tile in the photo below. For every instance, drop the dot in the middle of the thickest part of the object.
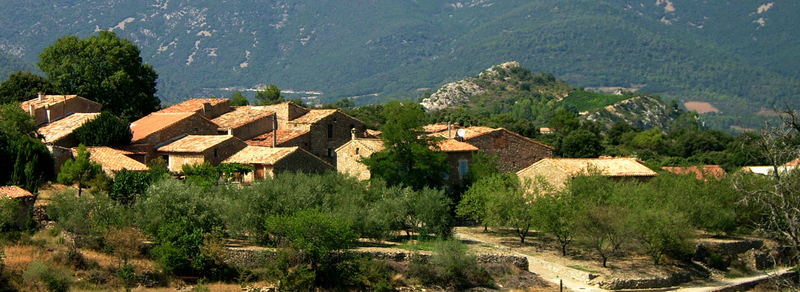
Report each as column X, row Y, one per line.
column 49, row 100
column 284, row 135
column 61, row 128
column 440, row 127
column 192, row 105
column 113, row 159
column 14, row 192
column 452, row 145
column 373, row 133
column 241, row 115
column 195, row 143
column 795, row 162
column 155, row 122
column 313, row 116
column 260, row 155
column 614, row 167
column 712, row 171
column 477, row 131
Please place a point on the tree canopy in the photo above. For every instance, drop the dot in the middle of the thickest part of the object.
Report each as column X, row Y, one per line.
column 105, row 130
column 103, row 68
column 22, row 86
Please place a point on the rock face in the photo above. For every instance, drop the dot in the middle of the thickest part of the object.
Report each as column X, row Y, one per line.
column 457, row 93
column 645, row 112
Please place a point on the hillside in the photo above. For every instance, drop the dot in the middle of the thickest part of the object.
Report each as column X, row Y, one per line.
column 738, row 55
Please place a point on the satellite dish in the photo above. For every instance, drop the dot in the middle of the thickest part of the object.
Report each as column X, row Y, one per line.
column 460, row 133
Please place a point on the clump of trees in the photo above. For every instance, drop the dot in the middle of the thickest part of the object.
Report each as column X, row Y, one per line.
column 105, row 130
column 29, row 161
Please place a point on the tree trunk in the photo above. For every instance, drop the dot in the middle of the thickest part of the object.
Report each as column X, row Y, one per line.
column 485, row 228
column 605, row 260
column 563, row 248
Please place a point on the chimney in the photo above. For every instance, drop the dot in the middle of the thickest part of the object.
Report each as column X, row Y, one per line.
column 449, row 130
column 353, row 134
column 47, row 110
column 274, row 129
column 40, row 95
column 230, row 132
column 30, row 109
column 206, row 109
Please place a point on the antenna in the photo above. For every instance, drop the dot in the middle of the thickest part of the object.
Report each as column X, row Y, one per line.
column 460, row 133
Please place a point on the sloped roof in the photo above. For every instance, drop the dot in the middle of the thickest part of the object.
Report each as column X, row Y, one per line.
column 61, row 128
column 260, row 155
column 452, row 145
column 314, row 116
column 155, row 122
column 50, row 100
column 795, row 162
column 241, row 115
column 372, row 144
column 373, row 133
column 478, row 131
column 614, row 167
column 440, row 127
column 707, row 171
column 113, row 159
column 14, row 192
column 193, row 105
column 284, row 135
column 195, row 143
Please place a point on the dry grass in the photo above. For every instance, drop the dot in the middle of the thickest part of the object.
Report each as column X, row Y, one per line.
column 19, row 256
column 701, row 107
column 110, row 262
column 213, row 287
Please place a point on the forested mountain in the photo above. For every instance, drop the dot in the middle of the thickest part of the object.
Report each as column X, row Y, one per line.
column 739, row 55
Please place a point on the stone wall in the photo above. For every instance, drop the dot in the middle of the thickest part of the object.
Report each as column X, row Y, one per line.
column 340, row 125
column 514, row 151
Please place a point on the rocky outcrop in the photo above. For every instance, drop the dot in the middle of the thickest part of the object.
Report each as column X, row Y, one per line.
column 452, row 94
column 645, row 112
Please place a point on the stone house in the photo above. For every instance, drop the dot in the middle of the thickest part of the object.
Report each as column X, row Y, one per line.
column 49, row 108
column 156, row 129
column 246, row 122
column 700, row 173
column 558, row 171
column 319, row 131
column 112, row 160
column 60, row 132
column 198, row 149
column 349, row 156
column 207, row 107
column 26, row 201
column 514, row 151
column 269, row 161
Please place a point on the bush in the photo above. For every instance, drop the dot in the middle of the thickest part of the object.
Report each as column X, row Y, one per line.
column 450, row 266
column 40, row 274
column 105, row 130
column 128, row 185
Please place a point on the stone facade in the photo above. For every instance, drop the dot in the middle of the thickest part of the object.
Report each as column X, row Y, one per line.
column 514, row 151
column 252, row 128
column 459, row 162
column 327, row 133
column 213, row 154
column 162, row 127
column 286, row 112
column 349, row 155
column 48, row 108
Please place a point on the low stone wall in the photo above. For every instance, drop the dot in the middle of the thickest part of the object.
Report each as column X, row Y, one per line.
column 671, row 280
column 255, row 257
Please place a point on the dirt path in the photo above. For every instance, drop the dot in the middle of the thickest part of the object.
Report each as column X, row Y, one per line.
column 551, row 272
column 576, row 280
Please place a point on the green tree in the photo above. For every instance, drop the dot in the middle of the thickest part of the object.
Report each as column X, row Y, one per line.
column 407, row 158
column 604, row 229
column 555, row 215
column 15, row 122
column 204, row 175
column 270, row 95
column 507, row 203
column 581, row 144
column 103, row 68
column 79, row 170
column 128, row 185
column 238, row 99
column 660, row 231
column 105, row 130
column 564, row 122
column 313, row 233
column 32, row 165
column 22, row 86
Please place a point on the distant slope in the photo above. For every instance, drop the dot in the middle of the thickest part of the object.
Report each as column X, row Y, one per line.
column 727, row 52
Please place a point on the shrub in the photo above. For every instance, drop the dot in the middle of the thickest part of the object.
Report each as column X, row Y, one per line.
column 40, row 274
column 105, row 130
column 128, row 185
column 450, row 266
column 203, row 175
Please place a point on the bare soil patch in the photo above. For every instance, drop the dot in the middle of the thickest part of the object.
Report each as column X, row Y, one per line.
column 701, row 107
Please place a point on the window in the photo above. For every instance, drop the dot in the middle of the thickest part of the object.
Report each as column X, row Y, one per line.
column 357, row 150
column 463, row 167
column 216, row 154
column 330, row 131
column 330, row 152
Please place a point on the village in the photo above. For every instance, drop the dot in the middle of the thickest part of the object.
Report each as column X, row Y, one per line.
column 276, row 141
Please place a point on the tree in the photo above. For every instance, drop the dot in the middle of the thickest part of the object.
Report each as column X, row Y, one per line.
column 105, row 130
column 555, row 215
column 581, row 144
column 660, row 231
column 603, row 229
column 564, row 122
column 270, row 95
column 128, row 185
column 31, row 163
column 507, row 204
column 22, row 86
column 79, row 170
column 204, row 175
column 407, row 158
column 313, row 233
column 238, row 99
column 103, row 68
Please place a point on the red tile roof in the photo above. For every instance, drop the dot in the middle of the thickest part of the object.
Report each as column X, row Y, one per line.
column 155, row 122
column 113, row 159
column 50, row 100
column 240, row 116
column 284, row 135
column 313, row 116
column 452, row 145
column 14, row 192
column 712, row 171
column 260, row 155
column 795, row 162
column 478, row 131
column 61, row 128
column 195, row 143
column 193, row 105
column 440, row 127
